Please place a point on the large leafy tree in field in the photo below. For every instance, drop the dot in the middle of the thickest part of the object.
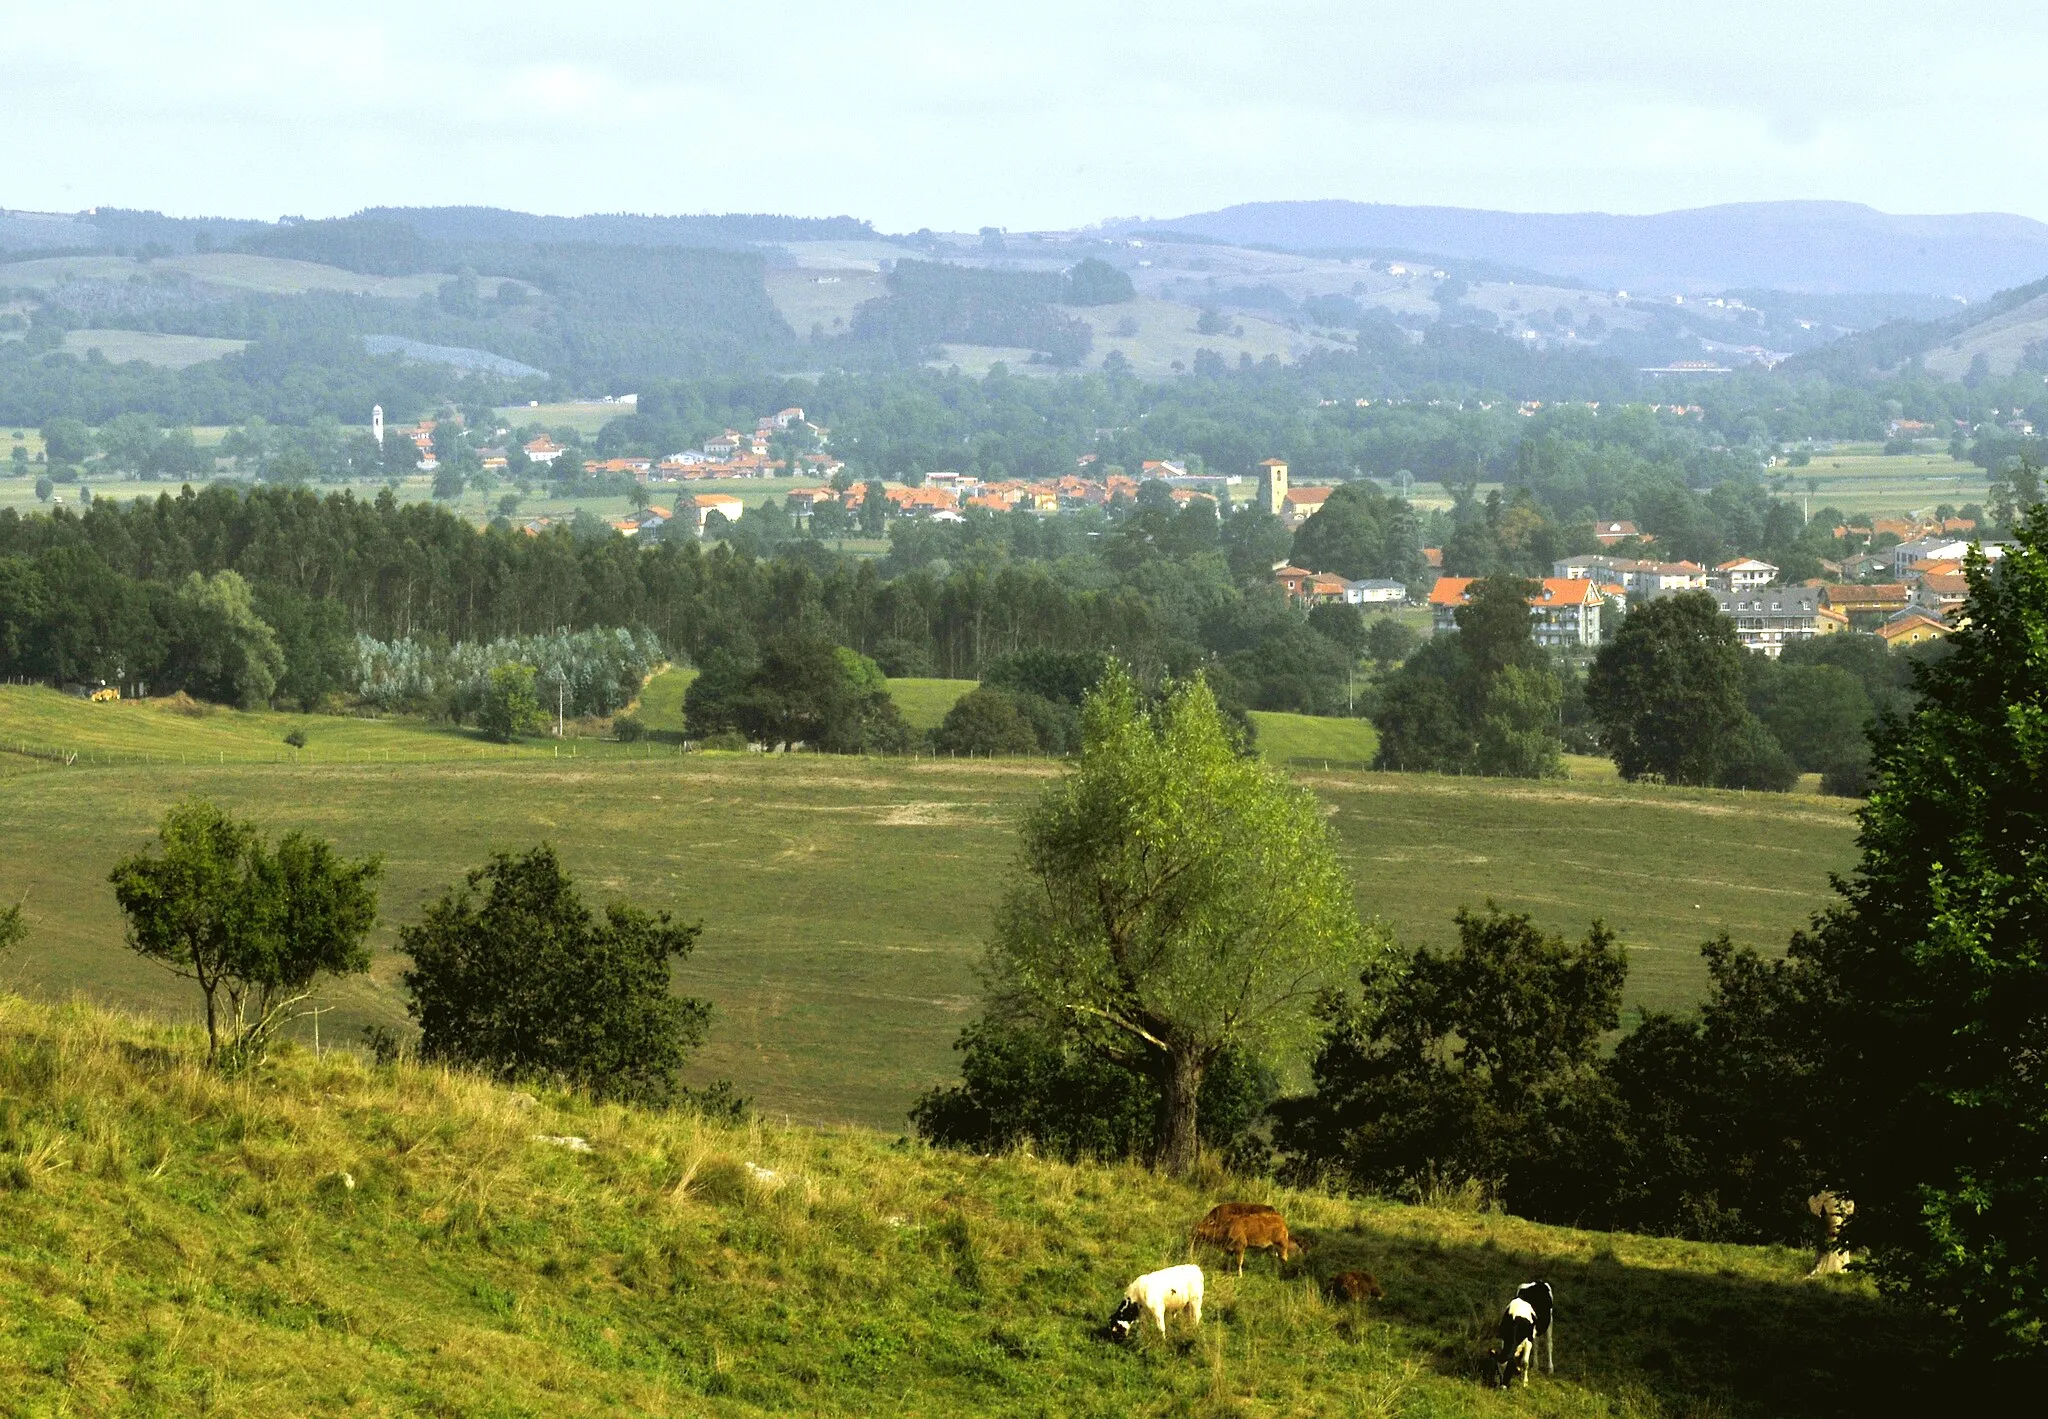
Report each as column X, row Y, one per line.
column 1936, row 966
column 1667, row 692
column 1177, row 899
column 253, row 925
column 513, row 975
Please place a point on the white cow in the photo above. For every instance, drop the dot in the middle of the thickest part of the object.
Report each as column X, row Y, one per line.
column 1161, row 1293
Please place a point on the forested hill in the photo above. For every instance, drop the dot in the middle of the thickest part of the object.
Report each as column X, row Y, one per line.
column 1790, row 246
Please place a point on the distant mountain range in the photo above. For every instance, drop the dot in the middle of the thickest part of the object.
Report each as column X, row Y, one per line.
column 1787, row 246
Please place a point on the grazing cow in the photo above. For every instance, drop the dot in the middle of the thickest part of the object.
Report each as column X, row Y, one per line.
column 1159, row 1294
column 1527, row 1319
column 1355, row 1286
column 1238, row 1227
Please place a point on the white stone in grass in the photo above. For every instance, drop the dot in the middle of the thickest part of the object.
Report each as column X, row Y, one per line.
column 572, row 1143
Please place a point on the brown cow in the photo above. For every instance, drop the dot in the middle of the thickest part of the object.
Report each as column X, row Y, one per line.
column 1238, row 1227
column 1355, row 1286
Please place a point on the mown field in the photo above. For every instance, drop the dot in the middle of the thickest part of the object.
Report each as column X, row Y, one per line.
column 325, row 1237
column 845, row 901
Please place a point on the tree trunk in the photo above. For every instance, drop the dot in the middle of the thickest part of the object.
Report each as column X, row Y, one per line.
column 1179, row 1145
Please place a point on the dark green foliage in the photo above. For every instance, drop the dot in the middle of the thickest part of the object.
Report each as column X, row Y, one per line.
column 1667, row 693
column 1819, row 714
column 1390, row 641
column 354, row 244
column 1484, row 701
column 803, row 690
column 1095, row 282
column 1361, row 533
column 315, row 641
column 1753, row 759
column 1073, row 1102
column 13, row 930
column 1935, row 980
column 1723, row 1121
column 1064, row 677
column 1423, row 728
column 253, row 925
column 1468, row 1064
column 511, row 705
column 929, row 303
column 525, row 982
column 218, row 648
column 984, row 723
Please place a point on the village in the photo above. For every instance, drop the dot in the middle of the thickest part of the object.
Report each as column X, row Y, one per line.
column 1906, row 593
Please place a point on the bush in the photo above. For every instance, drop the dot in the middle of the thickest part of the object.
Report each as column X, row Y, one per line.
column 511, row 707
column 1756, row 761
column 628, row 729
column 297, row 739
column 1073, row 1102
column 985, row 723
column 527, row 983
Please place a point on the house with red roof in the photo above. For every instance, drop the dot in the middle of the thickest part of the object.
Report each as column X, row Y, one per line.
column 1566, row 610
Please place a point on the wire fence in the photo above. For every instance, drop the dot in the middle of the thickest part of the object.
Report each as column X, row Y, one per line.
column 578, row 751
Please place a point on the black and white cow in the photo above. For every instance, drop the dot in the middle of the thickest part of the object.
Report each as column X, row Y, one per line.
column 1527, row 1320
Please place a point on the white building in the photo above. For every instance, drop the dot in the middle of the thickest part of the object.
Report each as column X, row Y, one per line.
column 1375, row 593
column 1742, row 574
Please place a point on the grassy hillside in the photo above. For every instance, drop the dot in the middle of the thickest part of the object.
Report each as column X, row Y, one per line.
column 845, row 901
column 171, row 351
column 235, row 271
column 924, row 702
column 1303, row 739
column 325, row 1237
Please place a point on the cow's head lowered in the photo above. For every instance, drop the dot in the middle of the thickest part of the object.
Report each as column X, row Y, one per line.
column 1124, row 1320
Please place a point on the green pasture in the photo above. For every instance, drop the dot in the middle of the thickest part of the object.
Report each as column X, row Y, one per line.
column 1882, row 484
column 1308, row 740
column 231, row 270
column 324, row 1236
column 924, row 702
column 585, row 417
column 845, row 901
column 171, row 351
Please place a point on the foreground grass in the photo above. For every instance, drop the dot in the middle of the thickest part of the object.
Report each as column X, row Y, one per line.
column 328, row 1237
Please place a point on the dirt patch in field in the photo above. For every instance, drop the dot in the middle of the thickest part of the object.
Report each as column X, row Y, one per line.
column 1784, row 809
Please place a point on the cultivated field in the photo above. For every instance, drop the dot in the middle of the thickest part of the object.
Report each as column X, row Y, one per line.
column 1858, row 481
column 581, row 415
column 270, row 275
column 845, row 901
column 822, row 298
column 171, row 351
column 326, row 1237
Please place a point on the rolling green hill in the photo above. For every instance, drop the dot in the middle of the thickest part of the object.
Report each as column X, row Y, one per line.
column 845, row 901
column 325, row 1237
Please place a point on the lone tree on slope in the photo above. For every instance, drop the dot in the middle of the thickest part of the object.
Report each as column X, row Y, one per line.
column 1176, row 898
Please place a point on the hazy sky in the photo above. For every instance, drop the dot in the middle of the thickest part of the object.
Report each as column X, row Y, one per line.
column 1021, row 115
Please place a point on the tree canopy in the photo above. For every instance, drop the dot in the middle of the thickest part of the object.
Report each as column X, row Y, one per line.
column 1175, row 897
column 253, row 925
column 513, row 975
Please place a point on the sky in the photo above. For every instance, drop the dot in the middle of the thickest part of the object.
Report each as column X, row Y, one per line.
column 1027, row 116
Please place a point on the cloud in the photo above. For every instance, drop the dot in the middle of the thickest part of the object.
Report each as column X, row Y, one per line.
column 1046, row 114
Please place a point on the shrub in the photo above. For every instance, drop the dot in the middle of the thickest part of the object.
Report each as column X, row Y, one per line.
column 253, row 925
column 985, row 723
column 526, row 983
